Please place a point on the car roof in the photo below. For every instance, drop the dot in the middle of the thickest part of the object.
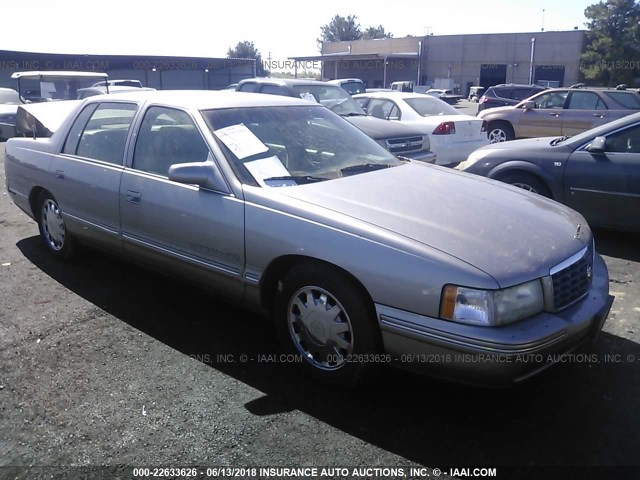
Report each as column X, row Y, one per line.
column 517, row 85
column 204, row 99
column 283, row 81
column 58, row 74
column 394, row 94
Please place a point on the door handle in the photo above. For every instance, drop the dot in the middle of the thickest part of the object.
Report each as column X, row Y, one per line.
column 133, row 197
column 599, row 115
column 553, row 114
column 60, row 174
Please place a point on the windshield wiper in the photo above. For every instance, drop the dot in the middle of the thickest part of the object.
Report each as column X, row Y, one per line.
column 300, row 179
column 365, row 167
column 559, row 139
column 353, row 114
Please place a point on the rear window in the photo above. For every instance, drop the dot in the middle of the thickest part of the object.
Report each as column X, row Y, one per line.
column 353, row 87
column 429, row 106
column 628, row 100
column 502, row 92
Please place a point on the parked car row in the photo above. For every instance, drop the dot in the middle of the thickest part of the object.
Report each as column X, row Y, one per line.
column 360, row 257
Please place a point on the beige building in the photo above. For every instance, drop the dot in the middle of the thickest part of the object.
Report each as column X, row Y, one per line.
column 549, row 58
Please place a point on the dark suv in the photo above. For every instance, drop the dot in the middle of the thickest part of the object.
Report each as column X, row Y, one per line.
column 399, row 139
column 506, row 94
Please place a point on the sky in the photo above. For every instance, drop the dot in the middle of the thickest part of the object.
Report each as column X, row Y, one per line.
column 279, row 29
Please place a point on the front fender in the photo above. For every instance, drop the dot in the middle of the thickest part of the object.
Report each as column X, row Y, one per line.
column 553, row 182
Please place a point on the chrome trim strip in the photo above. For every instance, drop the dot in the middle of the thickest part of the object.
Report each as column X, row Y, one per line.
column 395, row 325
column 568, row 262
column 96, row 226
column 181, row 256
column 620, row 194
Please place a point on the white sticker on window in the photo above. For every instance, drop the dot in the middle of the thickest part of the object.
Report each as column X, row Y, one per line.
column 241, row 141
column 269, row 168
column 308, row 96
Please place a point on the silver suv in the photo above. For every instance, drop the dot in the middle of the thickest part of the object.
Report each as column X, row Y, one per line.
column 559, row 111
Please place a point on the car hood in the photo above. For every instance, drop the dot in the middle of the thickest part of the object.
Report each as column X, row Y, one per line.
column 487, row 111
column 379, row 129
column 510, row 234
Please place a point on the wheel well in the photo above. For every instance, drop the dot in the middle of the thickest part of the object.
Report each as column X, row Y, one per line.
column 500, row 122
column 33, row 199
column 282, row 265
column 526, row 173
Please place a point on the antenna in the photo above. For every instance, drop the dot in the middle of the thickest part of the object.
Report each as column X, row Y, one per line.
column 542, row 28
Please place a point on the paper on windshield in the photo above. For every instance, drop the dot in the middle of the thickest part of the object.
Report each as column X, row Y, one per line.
column 268, row 168
column 241, row 141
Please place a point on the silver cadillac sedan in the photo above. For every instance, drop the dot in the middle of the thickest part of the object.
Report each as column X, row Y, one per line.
column 360, row 257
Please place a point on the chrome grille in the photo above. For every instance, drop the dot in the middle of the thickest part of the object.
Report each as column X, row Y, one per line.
column 405, row 144
column 572, row 281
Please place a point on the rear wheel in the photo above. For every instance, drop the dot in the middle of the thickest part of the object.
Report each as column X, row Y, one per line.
column 53, row 231
column 324, row 317
column 528, row 182
column 499, row 132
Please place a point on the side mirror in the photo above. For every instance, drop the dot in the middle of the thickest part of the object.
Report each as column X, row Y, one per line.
column 597, row 145
column 529, row 105
column 203, row 174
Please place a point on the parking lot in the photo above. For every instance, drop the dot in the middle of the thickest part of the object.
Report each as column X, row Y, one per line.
column 104, row 363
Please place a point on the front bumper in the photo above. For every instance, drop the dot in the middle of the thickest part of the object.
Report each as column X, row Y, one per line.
column 494, row 356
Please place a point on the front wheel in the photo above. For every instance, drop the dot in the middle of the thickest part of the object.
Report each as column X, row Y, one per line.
column 527, row 182
column 53, row 231
column 324, row 317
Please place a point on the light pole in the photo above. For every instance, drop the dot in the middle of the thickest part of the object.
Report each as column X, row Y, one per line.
column 533, row 51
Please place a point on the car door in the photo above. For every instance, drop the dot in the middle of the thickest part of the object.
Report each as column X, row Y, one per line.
column 605, row 187
column 545, row 120
column 89, row 168
column 584, row 110
column 180, row 226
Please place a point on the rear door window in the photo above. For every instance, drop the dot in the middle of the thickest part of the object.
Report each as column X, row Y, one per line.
column 105, row 134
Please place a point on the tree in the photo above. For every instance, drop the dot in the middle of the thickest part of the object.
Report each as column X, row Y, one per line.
column 376, row 32
column 612, row 50
column 340, row 29
column 247, row 49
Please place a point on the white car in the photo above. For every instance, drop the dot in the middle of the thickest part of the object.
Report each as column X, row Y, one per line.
column 453, row 135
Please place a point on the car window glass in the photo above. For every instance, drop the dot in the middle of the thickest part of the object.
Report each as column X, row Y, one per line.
column 394, row 114
column 521, row 93
column 625, row 99
column 71, row 144
column 247, row 87
column 274, row 90
column 502, row 92
column 551, row 100
column 362, row 101
column 105, row 135
column 167, row 136
column 380, row 108
column 584, row 101
column 625, row 141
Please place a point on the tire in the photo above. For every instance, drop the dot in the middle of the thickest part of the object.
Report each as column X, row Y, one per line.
column 53, row 231
column 324, row 317
column 528, row 182
column 498, row 132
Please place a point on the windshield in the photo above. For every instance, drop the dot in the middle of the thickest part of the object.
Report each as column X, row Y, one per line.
column 286, row 146
column 353, row 87
column 333, row 97
column 429, row 106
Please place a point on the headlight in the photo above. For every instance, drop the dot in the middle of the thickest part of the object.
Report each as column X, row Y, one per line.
column 474, row 158
column 491, row 307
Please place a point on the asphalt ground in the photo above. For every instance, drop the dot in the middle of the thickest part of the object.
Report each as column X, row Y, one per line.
column 105, row 364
